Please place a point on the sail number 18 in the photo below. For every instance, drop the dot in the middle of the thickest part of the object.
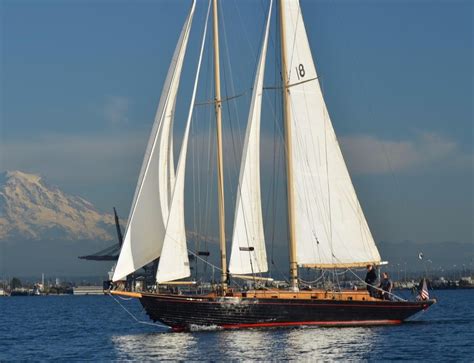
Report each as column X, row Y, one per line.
column 300, row 72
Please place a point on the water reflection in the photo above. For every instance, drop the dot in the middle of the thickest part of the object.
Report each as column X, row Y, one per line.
column 310, row 343
column 253, row 344
column 315, row 343
column 159, row 346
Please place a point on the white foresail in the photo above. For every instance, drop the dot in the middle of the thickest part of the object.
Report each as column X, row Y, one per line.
column 248, row 253
column 174, row 261
column 145, row 230
column 171, row 172
column 330, row 227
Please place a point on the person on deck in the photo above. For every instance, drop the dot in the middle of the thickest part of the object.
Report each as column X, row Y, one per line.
column 370, row 279
column 386, row 285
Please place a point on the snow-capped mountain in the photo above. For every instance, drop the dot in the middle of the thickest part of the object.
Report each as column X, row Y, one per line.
column 30, row 209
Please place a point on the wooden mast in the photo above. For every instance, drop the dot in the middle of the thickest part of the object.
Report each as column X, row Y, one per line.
column 289, row 157
column 220, row 167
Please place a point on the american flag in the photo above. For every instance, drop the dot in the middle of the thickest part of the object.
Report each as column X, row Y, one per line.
column 424, row 294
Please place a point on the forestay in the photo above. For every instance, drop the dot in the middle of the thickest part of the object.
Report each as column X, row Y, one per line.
column 248, row 253
column 174, row 261
column 330, row 227
column 145, row 230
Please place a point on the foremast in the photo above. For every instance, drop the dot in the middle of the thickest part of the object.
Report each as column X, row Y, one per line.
column 289, row 156
column 220, row 166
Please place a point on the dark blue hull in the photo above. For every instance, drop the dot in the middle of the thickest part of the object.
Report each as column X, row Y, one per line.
column 183, row 312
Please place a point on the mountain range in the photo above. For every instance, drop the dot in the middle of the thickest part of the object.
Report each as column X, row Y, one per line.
column 31, row 209
column 44, row 229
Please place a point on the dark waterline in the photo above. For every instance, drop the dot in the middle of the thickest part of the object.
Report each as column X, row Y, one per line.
column 96, row 327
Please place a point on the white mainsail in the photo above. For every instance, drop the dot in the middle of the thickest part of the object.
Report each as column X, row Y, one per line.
column 330, row 227
column 145, row 231
column 248, row 253
column 174, row 260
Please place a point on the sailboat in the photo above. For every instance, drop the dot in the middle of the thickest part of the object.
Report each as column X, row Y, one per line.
column 327, row 229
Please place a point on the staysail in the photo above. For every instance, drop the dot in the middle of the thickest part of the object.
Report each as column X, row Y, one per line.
column 330, row 227
column 248, row 253
column 174, row 261
column 146, row 224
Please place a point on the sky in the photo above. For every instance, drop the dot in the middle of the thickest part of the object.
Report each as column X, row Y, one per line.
column 81, row 80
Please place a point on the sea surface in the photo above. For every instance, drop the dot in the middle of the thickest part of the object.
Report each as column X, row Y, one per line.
column 98, row 328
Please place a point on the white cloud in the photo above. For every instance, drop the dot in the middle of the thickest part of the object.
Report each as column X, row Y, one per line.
column 116, row 109
column 366, row 154
column 102, row 159
column 86, row 159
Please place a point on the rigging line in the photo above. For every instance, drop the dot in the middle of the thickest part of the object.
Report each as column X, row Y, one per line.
column 278, row 79
column 277, row 167
column 194, row 162
column 231, row 78
column 182, row 156
column 232, row 86
column 276, row 44
column 134, row 317
column 314, row 281
column 308, row 210
column 376, row 287
column 253, row 52
column 206, row 219
column 156, row 126
column 200, row 148
column 271, row 196
column 225, row 99
column 294, row 50
column 313, row 182
column 232, row 130
column 306, row 203
column 210, row 186
column 297, row 83
column 193, row 253
column 357, row 209
column 294, row 39
column 255, row 97
column 230, row 98
column 214, row 267
column 336, row 277
column 329, row 187
column 283, row 276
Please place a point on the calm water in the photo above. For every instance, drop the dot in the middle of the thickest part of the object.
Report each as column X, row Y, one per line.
column 96, row 327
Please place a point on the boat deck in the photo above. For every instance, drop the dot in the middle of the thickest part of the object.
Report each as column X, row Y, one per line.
column 314, row 294
column 273, row 308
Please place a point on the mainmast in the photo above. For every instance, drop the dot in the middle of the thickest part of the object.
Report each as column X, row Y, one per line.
column 289, row 156
column 220, row 167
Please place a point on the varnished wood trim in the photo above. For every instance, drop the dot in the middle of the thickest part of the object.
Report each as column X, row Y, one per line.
column 126, row 293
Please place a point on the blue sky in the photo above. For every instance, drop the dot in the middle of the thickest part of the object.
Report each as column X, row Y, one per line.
column 80, row 83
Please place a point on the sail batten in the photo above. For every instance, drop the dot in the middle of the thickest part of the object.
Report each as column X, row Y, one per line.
column 330, row 227
column 248, row 254
column 145, row 230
